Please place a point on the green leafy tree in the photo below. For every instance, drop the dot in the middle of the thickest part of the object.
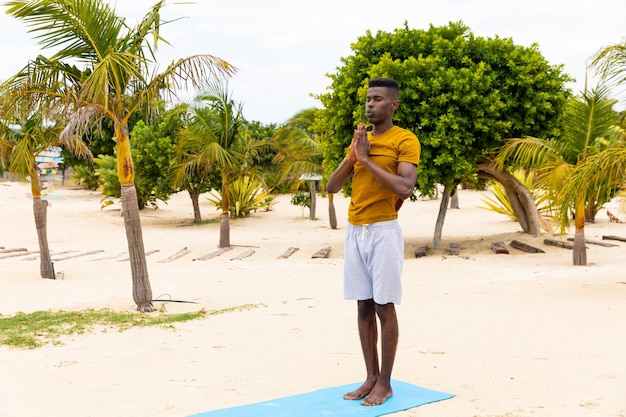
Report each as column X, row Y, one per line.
column 117, row 76
column 153, row 154
column 461, row 95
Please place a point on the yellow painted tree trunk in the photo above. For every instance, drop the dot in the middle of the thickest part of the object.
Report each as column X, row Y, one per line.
column 142, row 292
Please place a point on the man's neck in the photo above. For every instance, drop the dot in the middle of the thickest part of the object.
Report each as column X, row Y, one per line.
column 379, row 129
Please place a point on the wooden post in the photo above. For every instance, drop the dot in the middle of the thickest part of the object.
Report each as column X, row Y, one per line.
column 313, row 190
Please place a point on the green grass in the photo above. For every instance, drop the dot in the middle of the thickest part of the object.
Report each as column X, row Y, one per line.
column 33, row 330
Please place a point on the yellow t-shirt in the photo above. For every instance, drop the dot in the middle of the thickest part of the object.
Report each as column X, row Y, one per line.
column 371, row 201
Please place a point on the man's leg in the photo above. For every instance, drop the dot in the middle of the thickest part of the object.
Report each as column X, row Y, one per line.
column 389, row 343
column 368, row 333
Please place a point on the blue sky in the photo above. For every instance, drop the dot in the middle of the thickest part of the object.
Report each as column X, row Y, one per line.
column 284, row 48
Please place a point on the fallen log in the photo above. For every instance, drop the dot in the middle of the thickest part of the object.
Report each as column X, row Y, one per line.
column 453, row 249
column 499, row 247
column 147, row 254
column 621, row 239
column 525, row 247
column 104, row 258
column 288, row 253
column 322, row 253
column 558, row 243
column 595, row 242
column 16, row 254
column 212, row 254
column 243, row 255
column 32, row 258
column 78, row 255
column 184, row 251
column 13, row 250
column 422, row 251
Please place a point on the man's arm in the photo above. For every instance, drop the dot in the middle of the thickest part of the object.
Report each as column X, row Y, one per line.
column 345, row 169
column 338, row 178
column 402, row 182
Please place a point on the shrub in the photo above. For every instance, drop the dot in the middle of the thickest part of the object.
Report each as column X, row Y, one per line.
column 245, row 194
column 302, row 199
column 501, row 204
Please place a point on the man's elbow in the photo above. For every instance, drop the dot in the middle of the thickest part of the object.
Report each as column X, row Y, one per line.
column 333, row 186
column 406, row 192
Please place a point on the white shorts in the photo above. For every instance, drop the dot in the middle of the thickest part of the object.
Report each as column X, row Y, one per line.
column 373, row 261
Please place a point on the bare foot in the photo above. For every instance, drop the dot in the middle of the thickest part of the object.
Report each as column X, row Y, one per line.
column 360, row 392
column 378, row 395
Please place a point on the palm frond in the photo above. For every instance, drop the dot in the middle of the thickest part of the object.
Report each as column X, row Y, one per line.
column 22, row 159
column 610, row 63
column 42, row 86
column 80, row 29
column 529, row 152
column 110, row 78
column 197, row 72
column 587, row 119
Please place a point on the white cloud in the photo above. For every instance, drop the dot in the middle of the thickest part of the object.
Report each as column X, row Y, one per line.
column 284, row 48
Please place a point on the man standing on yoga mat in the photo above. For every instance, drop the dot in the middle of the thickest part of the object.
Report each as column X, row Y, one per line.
column 383, row 165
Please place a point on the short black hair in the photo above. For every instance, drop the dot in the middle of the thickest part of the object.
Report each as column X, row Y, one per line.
column 384, row 82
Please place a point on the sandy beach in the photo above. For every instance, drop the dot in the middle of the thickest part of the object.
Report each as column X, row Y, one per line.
column 510, row 335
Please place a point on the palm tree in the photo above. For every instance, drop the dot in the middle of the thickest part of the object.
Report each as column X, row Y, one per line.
column 20, row 143
column 589, row 124
column 604, row 170
column 213, row 142
column 298, row 152
column 118, row 76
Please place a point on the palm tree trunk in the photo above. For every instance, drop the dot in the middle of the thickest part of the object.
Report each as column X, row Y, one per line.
column 313, row 191
column 40, row 211
column 521, row 199
column 194, row 195
column 225, row 222
column 142, row 292
column 441, row 217
column 579, row 253
column 40, row 208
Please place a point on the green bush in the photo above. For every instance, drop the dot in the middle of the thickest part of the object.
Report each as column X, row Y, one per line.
column 302, row 199
column 85, row 175
column 245, row 194
column 107, row 175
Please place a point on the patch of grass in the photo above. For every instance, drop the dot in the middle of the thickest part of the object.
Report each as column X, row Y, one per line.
column 33, row 330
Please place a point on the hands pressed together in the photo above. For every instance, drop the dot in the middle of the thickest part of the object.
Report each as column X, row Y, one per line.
column 360, row 143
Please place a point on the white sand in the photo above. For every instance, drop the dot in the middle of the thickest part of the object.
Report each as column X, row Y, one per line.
column 515, row 335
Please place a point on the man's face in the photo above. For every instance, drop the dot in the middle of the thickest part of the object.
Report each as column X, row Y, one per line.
column 380, row 104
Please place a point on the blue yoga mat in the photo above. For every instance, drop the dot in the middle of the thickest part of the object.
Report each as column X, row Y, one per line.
column 329, row 402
